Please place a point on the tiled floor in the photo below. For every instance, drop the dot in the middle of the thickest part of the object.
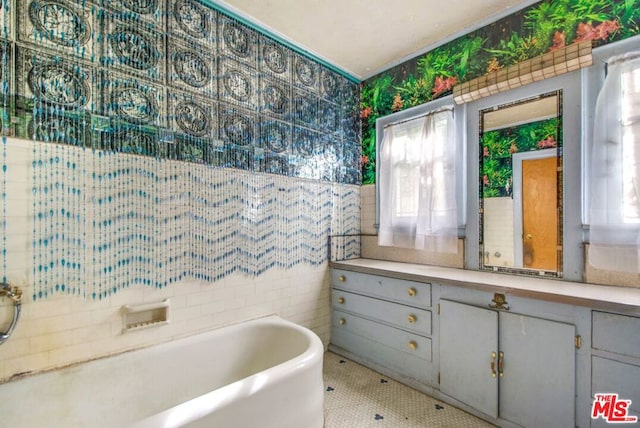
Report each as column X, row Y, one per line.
column 356, row 397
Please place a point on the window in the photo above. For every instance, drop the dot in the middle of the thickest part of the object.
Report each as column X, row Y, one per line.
column 615, row 169
column 417, row 183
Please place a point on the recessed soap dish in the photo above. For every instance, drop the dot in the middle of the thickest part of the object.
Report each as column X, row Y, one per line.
column 137, row 317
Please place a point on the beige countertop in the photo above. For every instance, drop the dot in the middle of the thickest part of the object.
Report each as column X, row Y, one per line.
column 620, row 299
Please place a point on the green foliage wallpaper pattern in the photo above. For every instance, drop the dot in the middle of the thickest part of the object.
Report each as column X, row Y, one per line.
column 498, row 147
column 542, row 27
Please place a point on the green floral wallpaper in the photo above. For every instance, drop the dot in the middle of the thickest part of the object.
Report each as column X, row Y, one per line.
column 499, row 145
column 540, row 28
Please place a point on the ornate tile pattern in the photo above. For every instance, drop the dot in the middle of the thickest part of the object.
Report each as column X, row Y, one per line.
column 126, row 60
column 62, row 25
column 186, row 145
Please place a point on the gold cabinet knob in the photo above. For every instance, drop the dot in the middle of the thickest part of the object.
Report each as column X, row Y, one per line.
column 342, row 278
column 412, row 291
column 342, row 321
column 528, row 236
column 412, row 319
column 413, row 345
column 341, row 300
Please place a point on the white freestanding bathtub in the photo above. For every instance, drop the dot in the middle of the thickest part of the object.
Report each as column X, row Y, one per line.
column 261, row 373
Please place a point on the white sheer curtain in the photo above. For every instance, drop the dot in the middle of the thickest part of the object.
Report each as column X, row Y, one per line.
column 416, row 181
column 615, row 169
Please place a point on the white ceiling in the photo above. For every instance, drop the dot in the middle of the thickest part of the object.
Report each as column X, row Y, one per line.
column 365, row 37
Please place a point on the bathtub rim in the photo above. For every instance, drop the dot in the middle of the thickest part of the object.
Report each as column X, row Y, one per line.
column 198, row 407
column 171, row 341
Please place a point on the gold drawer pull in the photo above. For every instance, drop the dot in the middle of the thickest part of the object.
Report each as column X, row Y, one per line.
column 341, row 300
column 412, row 319
column 413, row 345
column 412, row 291
column 342, row 321
column 342, row 278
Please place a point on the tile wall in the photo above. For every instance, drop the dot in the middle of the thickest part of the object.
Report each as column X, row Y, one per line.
column 161, row 150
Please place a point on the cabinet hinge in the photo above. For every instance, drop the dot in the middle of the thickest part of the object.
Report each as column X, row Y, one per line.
column 438, row 378
column 578, row 341
column 438, row 309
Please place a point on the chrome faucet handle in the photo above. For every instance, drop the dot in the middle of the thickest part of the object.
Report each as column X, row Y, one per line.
column 11, row 291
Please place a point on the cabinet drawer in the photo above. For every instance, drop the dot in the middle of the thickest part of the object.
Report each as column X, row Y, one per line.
column 616, row 333
column 400, row 340
column 383, row 358
column 398, row 290
column 405, row 317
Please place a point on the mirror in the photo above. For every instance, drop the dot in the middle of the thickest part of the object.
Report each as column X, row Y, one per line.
column 521, row 186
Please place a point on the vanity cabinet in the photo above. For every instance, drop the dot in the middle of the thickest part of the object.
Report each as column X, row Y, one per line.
column 536, row 361
column 508, row 366
column 615, row 361
column 384, row 323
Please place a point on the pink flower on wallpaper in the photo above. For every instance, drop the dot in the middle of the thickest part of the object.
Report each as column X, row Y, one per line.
column 607, row 28
column 398, row 104
column 485, row 180
column 486, row 153
column 558, row 41
column 443, row 85
column 548, row 143
column 366, row 112
column 513, row 148
column 364, row 160
column 602, row 31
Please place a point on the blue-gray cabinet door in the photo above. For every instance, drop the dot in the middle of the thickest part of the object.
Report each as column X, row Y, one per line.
column 537, row 362
column 468, row 355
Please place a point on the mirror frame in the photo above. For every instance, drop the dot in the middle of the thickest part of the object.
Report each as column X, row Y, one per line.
column 571, row 152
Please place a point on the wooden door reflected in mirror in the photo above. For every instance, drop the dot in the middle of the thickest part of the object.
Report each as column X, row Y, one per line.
column 521, row 186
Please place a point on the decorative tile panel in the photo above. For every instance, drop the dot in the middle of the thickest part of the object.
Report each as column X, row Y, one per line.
column 275, row 60
column 194, row 22
column 194, row 117
column 132, row 48
column 61, row 25
column 131, row 139
column 59, row 129
column 275, row 136
column 149, row 12
column 42, row 79
column 7, row 67
column 275, row 98
column 238, row 126
column 238, row 41
column 305, row 142
column 305, row 73
column 194, row 150
column 274, row 163
column 329, row 115
column 132, row 100
column 7, row 11
column 305, row 109
column 238, row 84
column 330, row 85
column 241, row 158
column 192, row 69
